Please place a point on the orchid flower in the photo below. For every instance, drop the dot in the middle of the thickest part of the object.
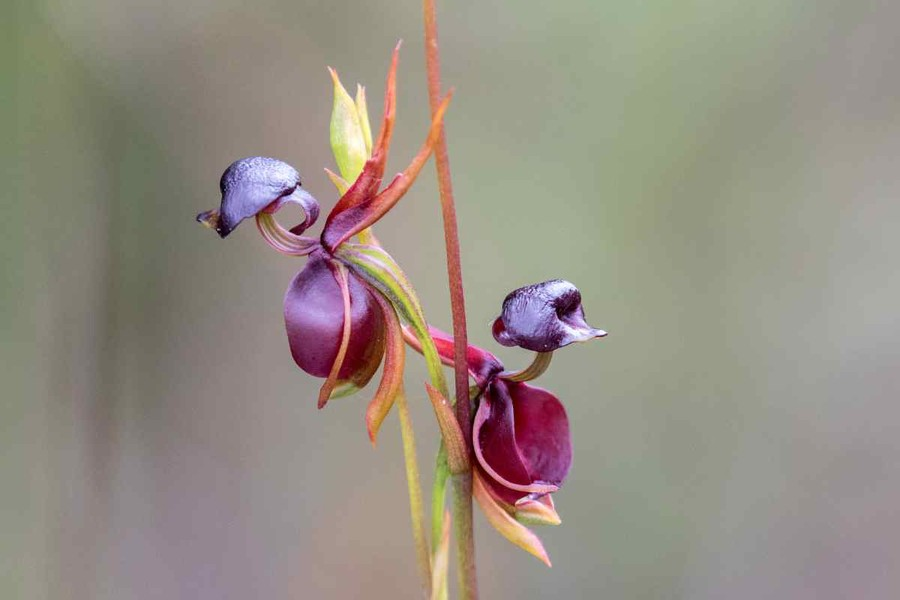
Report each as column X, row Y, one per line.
column 340, row 315
column 520, row 435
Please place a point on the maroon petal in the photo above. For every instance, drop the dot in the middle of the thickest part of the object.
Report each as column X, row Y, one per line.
column 543, row 317
column 314, row 319
column 521, row 437
column 250, row 186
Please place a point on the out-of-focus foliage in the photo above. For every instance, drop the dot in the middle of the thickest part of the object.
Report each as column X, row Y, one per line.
column 719, row 177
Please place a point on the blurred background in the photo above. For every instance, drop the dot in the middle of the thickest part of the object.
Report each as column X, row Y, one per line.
column 720, row 178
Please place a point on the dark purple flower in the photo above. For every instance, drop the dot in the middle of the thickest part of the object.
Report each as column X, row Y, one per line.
column 543, row 317
column 336, row 327
column 520, row 432
column 521, row 439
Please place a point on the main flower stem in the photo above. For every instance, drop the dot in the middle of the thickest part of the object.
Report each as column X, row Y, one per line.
column 462, row 482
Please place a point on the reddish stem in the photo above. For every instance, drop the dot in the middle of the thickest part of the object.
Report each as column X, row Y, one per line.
column 462, row 504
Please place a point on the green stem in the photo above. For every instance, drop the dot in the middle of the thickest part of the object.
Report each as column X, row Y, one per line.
column 462, row 482
column 438, row 495
column 416, row 509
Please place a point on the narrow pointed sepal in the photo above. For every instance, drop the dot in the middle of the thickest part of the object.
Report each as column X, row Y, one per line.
column 392, row 374
column 338, row 181
column 366, row 185
column 457, row 449
column 505, row 524
column 363, row 110
column 543, row 317
column 348, row 139
column 347, row 220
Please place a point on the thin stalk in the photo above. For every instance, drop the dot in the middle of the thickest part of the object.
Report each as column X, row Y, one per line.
column 416, row 509
column 462, row 482
column 538, row 365
column 438, row 495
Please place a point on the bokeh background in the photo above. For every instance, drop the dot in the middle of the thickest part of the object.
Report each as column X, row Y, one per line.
column 721, row 179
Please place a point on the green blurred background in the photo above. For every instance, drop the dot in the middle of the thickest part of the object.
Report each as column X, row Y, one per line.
column 720, row 178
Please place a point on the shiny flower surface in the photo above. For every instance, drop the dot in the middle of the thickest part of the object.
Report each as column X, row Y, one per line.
column 337, row 327
column 543, row 317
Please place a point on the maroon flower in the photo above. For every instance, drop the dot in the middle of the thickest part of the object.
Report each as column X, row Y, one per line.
column 521, row 440
column 520, row 433
column 543, row 317
column 338, row 326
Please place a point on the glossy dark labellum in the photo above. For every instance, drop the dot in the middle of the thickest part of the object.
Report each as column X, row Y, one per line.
column 543, row 317
column 257, row 184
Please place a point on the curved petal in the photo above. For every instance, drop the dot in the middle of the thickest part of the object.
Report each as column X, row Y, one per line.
column 543, row 317
column 392, row 375
column 314, row 320
column 340, row 275
column 251, row 185
column 496, row 431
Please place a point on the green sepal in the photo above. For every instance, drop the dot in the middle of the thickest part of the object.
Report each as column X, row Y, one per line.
column 363, row 111
column 379, row 270
column 348, row 139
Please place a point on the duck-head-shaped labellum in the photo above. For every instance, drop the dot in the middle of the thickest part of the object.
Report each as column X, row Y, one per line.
column 258, row 184
column 543, row 317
